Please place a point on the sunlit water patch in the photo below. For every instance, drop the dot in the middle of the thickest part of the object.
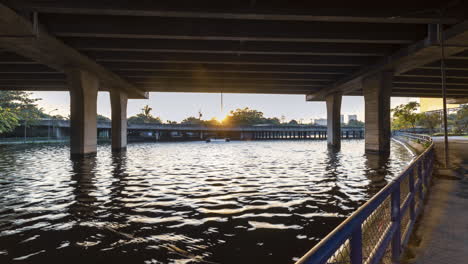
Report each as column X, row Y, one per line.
column 194, row 202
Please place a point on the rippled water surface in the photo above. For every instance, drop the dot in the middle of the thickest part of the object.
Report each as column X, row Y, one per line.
column 193, row 202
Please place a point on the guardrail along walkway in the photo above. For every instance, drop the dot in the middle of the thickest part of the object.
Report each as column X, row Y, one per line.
column 378, row 231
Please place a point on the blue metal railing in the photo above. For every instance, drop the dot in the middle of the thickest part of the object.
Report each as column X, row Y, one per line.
column 378, row 231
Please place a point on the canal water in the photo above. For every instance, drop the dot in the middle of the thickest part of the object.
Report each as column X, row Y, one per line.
column 187, row 202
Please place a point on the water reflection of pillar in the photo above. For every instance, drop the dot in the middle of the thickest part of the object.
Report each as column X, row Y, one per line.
column 332, row 169
column 377, row 169
column 119, row 173
column 83, row 178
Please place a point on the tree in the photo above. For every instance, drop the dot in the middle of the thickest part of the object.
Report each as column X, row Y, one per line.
column 293, row 122
column 101, row 118
column 272, row 121
column 8, row 120
column 404, row 115
column 244, row 117
column 145, row 117
column 17, row 106
column 460, row 120
column 192, row 121
column 212, row 122
column 429, row 121
column 355, row 123
column 147, row 111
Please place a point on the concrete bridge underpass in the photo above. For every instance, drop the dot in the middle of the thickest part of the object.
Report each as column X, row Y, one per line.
column 131, row 48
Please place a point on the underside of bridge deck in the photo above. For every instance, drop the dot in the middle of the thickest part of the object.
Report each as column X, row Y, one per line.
column 271, row 47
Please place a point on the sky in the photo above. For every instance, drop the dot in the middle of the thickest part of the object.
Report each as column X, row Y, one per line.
column 178, row 106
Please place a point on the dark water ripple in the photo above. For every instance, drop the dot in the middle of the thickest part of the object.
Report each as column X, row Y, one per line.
column 238, row 202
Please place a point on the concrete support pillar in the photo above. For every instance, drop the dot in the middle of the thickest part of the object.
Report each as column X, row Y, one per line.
column 119, row 120
column 333, row 119
column 83, row 103
column 377, row 90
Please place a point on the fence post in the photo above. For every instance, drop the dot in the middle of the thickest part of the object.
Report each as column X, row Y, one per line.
column 356, row 246
column 421, row 178
column 412, row 195
column 396, row 239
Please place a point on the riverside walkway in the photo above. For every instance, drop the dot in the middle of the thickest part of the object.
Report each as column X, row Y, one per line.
column 442, row 235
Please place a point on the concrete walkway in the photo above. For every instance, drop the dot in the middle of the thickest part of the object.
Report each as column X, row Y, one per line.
column 441, row 235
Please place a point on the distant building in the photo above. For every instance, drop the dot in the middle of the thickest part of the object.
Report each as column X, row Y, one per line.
column 434, row 104
column 320, row 121
column 342, row 119
column 352, row 117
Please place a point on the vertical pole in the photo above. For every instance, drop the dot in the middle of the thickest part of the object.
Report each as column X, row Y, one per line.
column 421, row 178
column 412, row 195
column 444, row 92
column 356, row 246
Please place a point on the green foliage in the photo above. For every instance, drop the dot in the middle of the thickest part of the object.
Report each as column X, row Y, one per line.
column 212, row 122
column 459, row 121
column 293, row 122
column 101, row 118
column 192, row 121
column 18, row 106
column 429, row 121
column 145, row 117
column 247, row 116
column 8, row 120
column 243, row 117
column 355, row 123
column 404, row 115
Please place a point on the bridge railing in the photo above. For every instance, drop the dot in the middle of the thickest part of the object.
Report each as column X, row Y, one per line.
column 378, row 231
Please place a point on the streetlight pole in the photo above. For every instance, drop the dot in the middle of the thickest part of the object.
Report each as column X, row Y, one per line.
column 48, row 127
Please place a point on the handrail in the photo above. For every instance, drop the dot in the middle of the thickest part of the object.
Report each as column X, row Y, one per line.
column 380, row 228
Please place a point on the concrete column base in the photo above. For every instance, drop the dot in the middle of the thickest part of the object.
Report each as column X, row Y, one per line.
column 83, row 103
column 119, row 120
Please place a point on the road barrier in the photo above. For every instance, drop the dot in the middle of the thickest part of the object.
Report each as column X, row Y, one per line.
column 379, row 230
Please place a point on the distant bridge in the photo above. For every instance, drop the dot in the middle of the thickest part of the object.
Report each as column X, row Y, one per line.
column 171, row 131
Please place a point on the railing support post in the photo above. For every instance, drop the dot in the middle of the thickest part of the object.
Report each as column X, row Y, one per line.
column 356, row 246
column 421, row 178
column 412, row 195
column 396, row 219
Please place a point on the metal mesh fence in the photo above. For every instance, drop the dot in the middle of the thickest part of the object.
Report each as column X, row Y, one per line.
column 375, row 227
column 342, row 255
column 404, row 189
column 405, row 218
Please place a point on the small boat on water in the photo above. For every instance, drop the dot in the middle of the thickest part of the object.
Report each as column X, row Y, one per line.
column 208, row 140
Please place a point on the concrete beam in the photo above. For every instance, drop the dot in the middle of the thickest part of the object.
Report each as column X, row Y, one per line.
column 259, row 11
column 333, row 119
column 251, row 59
column 66, row 25
column 83, row 103
column 228, row 47
column 119, row 120
column 414, row 56
column 377, row 89
column 198, row 68
column 20, row 36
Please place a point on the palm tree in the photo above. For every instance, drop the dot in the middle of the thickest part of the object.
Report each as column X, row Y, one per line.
column 147, row 111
